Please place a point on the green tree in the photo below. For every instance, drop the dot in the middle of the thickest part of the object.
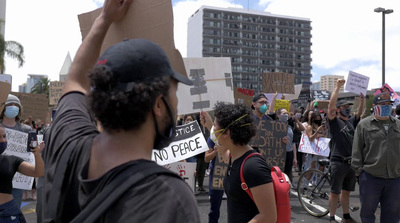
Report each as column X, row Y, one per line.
column 11, row 49
column 41, row 87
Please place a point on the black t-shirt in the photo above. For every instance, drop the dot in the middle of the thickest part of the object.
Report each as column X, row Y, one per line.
column 73, row 124
column 8, row 167
column 256, row 171
column 342, row 134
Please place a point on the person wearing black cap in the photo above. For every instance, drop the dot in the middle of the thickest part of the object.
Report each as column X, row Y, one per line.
column 260, row 107
column 131, row 91
column 376, row 155
column 341, row 129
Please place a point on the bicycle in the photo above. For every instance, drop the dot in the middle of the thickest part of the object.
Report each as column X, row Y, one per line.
column 314, row 188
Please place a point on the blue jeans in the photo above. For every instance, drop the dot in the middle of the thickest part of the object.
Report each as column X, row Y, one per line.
column 374, row 190
column 17, row 195
column 215, row 201
column 10, row 213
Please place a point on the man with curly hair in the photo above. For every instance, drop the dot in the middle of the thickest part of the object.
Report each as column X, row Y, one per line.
column 132, row 92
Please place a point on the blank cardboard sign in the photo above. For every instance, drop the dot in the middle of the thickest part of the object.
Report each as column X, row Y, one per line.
column 146, row 19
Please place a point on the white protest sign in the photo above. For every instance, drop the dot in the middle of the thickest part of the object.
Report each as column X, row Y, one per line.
column 185, row 170
column 357, row 83
column 189, row 141
column 16, row 145
column 319, row 146
column 297, row 90
column 212, row 79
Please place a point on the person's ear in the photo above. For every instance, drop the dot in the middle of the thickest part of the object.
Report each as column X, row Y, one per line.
column 159, row 107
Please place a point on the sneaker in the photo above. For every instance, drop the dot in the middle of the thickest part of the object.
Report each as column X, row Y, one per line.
column 349, row 221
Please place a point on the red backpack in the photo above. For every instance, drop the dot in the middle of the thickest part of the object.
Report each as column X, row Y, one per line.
column 281, row 190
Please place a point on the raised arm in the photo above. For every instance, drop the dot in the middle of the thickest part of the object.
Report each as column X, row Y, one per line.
column 271, row 108
column 334, row 97
column 88, row 52
column 360, row 107
column 36, row 170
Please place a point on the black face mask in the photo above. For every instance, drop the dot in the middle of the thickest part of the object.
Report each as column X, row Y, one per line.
column 346, row 112
column 318, row 122
column 163, row 140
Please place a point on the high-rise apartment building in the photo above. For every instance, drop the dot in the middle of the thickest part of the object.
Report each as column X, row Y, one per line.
column 328, row 82
column 256, row 42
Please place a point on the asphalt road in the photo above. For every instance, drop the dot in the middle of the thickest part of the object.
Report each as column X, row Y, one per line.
column 298, row 213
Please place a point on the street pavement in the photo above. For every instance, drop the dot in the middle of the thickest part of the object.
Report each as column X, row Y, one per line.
column 299, row 215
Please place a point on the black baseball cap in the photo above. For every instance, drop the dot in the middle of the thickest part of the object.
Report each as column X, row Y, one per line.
column 137, row 61
column 342, row 102
column 382, row 97
column 256, row 97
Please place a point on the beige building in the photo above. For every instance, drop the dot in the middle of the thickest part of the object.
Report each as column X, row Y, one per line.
column 328, row 82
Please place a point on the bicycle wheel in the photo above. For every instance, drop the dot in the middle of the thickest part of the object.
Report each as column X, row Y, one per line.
column 313, row 191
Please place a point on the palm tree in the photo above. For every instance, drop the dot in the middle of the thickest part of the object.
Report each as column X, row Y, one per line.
column 41, row 87
column 12, row 49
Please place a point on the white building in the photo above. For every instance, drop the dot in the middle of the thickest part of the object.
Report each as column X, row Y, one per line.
column 328, row 82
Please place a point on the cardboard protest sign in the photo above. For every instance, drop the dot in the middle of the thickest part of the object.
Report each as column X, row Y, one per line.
column 34, row 105
column 189, row 141
column 278, row 82
column 269, row 141
column 319, row 146
column 17, row 145
column 5, row 89
column 279, row 103
column 357, row 83
column 55, row 92
column 321, row 95
column 243, row 96
column 146, row 19
column 212, row 77
column 304, row 97
column 185, row 170
column 220, row 170
column 323, row 104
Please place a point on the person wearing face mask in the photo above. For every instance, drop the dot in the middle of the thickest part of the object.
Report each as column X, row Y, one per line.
column 341, row 129
column 9, row 165
column 291, row 156
column 234, row 128
column 131, row 89
column 10, row 118
column 260, row 108
column 375, row 158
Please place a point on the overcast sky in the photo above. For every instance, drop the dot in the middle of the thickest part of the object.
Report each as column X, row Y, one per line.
column 346, row 35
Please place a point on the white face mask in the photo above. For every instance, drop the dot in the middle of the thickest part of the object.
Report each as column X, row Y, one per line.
column 213, row 137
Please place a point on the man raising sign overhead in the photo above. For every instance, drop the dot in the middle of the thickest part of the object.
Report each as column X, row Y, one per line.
column 134, row 98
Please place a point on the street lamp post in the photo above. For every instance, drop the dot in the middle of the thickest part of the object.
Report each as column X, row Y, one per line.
column 384, row 11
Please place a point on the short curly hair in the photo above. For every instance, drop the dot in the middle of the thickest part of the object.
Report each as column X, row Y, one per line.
column 118, row 110
column 241, row 131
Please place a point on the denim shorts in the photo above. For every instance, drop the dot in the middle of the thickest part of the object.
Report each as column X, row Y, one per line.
column 342, row 177
column 9, row 212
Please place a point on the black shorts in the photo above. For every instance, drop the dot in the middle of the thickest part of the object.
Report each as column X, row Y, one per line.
column 342, row 177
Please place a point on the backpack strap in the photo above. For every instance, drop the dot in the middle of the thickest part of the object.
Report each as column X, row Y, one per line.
column 117, row 187
column 243, row 183
column 279, row 173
